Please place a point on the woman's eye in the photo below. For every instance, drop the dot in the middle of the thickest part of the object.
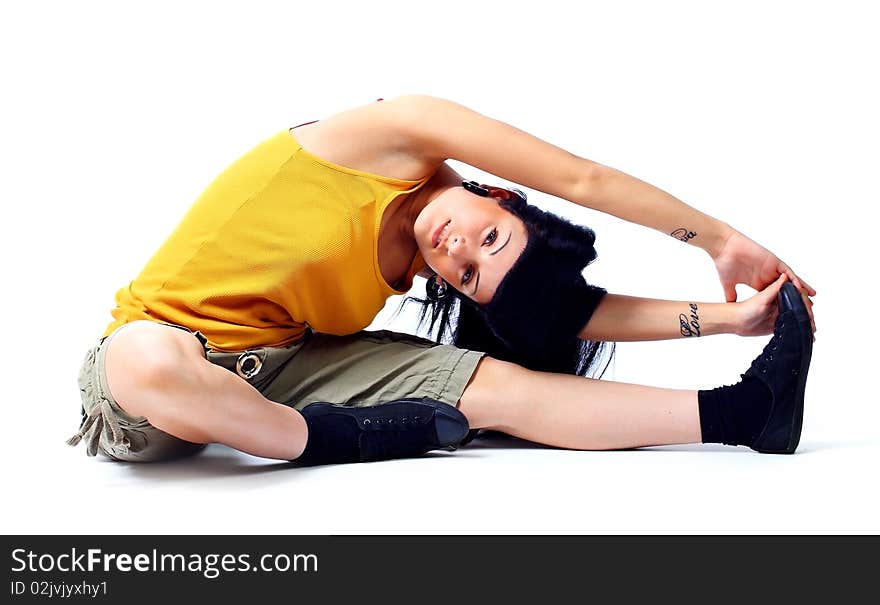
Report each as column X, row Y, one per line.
column 490, row 239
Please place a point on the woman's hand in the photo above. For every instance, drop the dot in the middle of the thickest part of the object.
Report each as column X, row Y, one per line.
column 757, row 315
column 742, row 261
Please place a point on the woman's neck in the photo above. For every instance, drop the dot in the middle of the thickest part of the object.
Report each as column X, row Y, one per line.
column 442, row 180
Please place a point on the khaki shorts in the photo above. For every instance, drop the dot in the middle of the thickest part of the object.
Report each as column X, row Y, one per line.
column 362, row 369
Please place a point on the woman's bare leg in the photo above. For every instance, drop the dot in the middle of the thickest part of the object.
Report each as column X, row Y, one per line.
column 160, row 372
column 575, row 412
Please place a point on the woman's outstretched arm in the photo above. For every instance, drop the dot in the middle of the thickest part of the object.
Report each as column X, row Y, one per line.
column 614, row 192
column 440, row 129
column 431, row 130
column 620, row 318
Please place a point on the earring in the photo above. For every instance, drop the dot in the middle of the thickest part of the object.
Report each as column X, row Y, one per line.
column 437, row 289
column 475, row 187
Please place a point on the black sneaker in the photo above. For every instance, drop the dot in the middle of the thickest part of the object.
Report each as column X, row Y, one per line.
column 782, row 367
column 398, row 429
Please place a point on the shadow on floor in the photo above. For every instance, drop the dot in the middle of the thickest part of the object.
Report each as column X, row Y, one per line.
column 220, row 462
column 498, row 440
column 214, row 462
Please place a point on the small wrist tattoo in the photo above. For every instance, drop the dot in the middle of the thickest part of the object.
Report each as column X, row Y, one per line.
column 683, row 234
column 690, row 324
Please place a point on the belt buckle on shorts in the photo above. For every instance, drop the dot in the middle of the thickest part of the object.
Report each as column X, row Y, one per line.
column 248, row 364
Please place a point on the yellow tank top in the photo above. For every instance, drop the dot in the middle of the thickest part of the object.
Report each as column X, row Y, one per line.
column 280, row 242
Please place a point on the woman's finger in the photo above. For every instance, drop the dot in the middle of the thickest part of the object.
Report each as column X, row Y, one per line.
column 809, row 305
column 805, row 291
column 791, row 276
column 801, row 284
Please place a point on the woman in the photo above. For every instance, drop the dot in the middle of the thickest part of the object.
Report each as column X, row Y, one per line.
column 246, row 326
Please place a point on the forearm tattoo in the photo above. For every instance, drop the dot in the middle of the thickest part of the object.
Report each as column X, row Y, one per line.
column 683, row 234
column 690, row 324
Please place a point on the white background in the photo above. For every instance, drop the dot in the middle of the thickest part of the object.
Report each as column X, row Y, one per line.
column 763, row 114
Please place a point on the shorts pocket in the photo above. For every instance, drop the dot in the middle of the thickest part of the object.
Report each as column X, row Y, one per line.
column 88, row 387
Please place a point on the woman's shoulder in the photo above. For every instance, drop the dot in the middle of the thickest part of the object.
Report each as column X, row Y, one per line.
column 369, row 138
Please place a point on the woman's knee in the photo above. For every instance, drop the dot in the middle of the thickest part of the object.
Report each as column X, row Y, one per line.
column 145, row 359
column 493, row 393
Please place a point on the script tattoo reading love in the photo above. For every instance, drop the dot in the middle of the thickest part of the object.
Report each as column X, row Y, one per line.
column 690, row 325
column 683, row 234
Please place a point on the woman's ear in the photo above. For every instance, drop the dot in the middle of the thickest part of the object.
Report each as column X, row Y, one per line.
column 426, row 272
column 498, row 193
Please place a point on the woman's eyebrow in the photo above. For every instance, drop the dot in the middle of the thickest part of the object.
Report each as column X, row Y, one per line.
column 497, row 250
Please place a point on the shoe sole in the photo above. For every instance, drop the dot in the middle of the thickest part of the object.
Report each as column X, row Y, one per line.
column 790, row 298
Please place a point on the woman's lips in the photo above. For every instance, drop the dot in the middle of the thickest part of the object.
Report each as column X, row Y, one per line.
column 435, row 239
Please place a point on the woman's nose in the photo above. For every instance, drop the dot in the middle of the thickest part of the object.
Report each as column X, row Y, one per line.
column 454, row 244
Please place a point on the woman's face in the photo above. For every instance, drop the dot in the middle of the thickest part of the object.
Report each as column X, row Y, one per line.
column 479, row 241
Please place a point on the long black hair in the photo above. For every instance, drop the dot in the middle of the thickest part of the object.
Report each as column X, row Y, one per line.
column 540, row 304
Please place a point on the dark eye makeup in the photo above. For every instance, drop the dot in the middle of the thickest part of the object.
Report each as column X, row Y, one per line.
column 490, row 239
